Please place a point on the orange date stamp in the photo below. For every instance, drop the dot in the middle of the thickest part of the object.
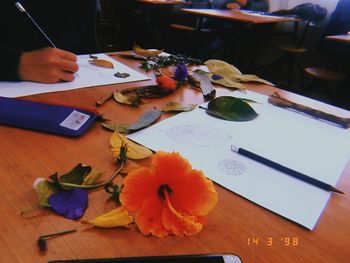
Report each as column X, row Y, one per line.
column 271, row 241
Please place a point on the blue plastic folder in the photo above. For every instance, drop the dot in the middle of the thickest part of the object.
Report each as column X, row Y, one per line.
column 52, row 118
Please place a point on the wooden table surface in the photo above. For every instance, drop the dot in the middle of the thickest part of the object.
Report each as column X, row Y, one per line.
column 164, row 2
column 340, row 38
column 234, row 15
column 236, row 225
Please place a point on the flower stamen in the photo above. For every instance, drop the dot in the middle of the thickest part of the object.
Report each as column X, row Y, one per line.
column 162, row 189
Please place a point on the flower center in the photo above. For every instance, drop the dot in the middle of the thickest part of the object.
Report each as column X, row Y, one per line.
column 162, row 189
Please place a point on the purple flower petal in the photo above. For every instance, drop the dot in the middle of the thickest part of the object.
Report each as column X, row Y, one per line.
column 181, row 72
column 216, row 77
column 70, row 204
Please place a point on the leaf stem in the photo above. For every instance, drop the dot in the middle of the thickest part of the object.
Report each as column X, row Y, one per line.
column 30, row 209
column 96, row 185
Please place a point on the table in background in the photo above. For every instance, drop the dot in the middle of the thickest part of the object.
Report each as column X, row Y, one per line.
column 236, row 225
column 261, row 28
column 340, row 38
column 237, row 16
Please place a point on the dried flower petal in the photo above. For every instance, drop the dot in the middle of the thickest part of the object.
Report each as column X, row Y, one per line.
column 118, row 217
column 166, row 82
column 181, row 72
column 216, row 77
column 70, row 204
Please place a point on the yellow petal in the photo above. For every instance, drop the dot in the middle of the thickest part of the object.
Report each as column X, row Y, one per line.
column 179, row 223
column 118, row 217
column 134, row 151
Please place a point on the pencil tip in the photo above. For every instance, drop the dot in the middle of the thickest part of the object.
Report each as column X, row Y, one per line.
column 337, row 191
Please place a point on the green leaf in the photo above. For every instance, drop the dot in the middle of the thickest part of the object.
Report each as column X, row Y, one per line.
column 45, row 189
column 122, row 128
column 178, row 107
column 231, row 108
column 145, row 120
column 75, row 176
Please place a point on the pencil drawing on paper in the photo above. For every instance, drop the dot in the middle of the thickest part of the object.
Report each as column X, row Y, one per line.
column 197, row 135
column 232, row 167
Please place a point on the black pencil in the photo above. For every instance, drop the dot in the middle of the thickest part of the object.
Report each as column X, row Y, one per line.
column 22, row 10
column 285, row 170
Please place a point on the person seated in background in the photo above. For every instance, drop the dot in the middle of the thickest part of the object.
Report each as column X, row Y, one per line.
column 339, row 23
column 25, row 53
column 230, row 35
column 256, row 5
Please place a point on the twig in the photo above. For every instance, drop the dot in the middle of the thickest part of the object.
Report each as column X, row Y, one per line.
column 279, row 101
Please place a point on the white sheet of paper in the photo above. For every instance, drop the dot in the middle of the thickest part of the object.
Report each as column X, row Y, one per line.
column 88, row 75
column 313, row 147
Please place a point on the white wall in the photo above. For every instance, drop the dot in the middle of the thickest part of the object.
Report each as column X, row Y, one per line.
column 288, row 4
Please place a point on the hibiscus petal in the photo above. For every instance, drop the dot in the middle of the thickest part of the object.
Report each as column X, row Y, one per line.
column 139, row 185
column 70, row 204
column 195, row 194
column 179, row 223
column 149, row 219
column 170, row 167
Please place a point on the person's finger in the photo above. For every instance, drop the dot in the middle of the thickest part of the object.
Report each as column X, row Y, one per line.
column 67, row 76
column 68, row 65
column 67, row 55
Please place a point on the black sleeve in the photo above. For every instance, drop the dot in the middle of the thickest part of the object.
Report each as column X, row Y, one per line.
column 258, row 5
column 88, row 36
column 9, row 60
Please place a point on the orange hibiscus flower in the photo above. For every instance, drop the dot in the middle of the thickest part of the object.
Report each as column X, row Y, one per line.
column 169, row 197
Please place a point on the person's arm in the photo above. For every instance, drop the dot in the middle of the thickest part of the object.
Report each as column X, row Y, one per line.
column 9, row 60
column 47, row 65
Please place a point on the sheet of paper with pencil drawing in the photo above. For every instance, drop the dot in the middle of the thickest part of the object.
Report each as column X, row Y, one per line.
column 313, row 147
column 88, row 75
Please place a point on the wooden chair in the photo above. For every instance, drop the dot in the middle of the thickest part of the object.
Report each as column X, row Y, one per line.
column 106, row 25
column 297, row 47
column 323, row 79
column 188, row 27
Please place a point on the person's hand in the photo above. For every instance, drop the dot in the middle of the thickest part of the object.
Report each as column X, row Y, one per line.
column 237, row 4
column 233, row 6
column 242, row 3
column 48, row 65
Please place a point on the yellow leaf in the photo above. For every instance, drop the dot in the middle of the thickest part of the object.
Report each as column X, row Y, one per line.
column 102, row 63
column 92, row 177
column 118, row 217
column 176, row 106
column 121, row 98
column 220, row 67
column 146, row 52
column 134, row 151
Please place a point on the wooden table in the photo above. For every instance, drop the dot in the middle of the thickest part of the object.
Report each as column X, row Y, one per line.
column 236, row 225
column 164, row 2
column 238, row 16
column 340, row 38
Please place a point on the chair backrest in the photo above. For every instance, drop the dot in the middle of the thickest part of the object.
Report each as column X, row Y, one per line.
column 311, row 14
column 200, row 4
